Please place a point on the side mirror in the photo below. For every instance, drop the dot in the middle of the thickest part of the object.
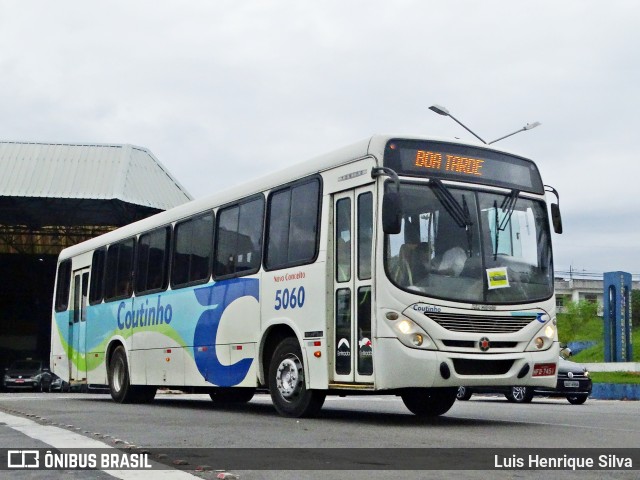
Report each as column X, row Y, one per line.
column 391, row 213
column 556, row 218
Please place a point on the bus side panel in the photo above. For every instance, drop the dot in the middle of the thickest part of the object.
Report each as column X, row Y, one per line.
column 59, row 359
column 224, row 334
column 296, row 296
column 198, row 336
column 101, row 328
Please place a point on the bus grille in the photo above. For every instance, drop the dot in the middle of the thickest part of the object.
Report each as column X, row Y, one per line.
column 481, row 323
column 481, row 367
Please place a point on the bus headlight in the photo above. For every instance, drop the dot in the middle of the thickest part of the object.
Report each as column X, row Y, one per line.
column 411, row 335
column 404, row 326
column 543, row 339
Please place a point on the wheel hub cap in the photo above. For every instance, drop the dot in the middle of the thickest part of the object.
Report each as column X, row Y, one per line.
column 289, row 378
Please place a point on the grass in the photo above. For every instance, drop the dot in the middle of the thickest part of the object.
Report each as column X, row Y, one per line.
column 592, row 330
column 615, row 377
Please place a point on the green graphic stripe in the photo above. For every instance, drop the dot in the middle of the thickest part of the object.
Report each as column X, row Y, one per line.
column 84, row 363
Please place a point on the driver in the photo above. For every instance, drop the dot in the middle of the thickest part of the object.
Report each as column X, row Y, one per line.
column 452, row 262
column 449, row 237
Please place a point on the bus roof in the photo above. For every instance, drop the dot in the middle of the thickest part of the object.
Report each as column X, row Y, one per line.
column 372, row 146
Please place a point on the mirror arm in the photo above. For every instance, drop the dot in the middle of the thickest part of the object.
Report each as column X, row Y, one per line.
column 387, row 172
column 550, row 189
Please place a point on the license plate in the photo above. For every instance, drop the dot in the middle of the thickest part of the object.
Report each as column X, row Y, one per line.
column 544, row 369
column 571, row 383
column 20, row 381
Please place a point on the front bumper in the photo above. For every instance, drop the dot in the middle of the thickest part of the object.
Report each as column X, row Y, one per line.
column 435, row 368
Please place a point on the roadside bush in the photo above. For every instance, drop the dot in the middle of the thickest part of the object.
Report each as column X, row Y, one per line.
column 575, row 320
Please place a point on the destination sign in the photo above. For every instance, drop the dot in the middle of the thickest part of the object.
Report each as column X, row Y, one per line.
column 463, row 163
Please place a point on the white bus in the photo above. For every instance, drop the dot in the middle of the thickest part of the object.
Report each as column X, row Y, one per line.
column 406, row 266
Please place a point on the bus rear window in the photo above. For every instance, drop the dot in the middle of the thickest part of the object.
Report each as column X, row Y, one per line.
column 62, row 286
column 96, row 290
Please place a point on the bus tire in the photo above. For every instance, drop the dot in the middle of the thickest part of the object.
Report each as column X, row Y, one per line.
column 144, row 393
column 287, row 383
column 119, row 382
column 232, row 396
column 429, row 402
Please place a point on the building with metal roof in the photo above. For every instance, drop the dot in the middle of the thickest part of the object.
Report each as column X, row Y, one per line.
column 39, row 181
column 54, row 195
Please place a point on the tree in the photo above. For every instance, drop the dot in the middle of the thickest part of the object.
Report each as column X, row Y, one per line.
column 576, row 316
column 635, row 308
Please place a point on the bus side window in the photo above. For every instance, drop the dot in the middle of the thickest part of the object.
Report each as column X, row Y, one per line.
column 192, row 252
column 343, row 240
column 151, row 264
column 118, row 280
column 239, row 238
column 292, row 225
column 365, row 234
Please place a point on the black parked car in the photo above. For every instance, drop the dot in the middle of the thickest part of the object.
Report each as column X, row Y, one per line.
column 24, row 374
column 50, row 382
column 573, row 383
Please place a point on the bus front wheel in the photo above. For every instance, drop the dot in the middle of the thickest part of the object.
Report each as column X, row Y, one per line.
column 429, row 402
column 287, row 382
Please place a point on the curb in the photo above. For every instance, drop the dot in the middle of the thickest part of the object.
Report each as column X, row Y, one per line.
column 616, row 391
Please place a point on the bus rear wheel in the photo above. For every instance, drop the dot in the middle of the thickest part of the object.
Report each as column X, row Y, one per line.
column 429, row 402
column 287, row 382
column 232, row 396
column 120, row 385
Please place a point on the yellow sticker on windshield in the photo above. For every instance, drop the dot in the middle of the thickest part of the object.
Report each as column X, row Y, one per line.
column 497, row 278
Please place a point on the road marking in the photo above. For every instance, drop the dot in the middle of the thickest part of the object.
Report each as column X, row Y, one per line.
column 60, row 438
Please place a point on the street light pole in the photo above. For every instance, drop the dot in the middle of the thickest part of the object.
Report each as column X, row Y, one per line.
column 528, row 126
column 440, row 110
column 443, row 111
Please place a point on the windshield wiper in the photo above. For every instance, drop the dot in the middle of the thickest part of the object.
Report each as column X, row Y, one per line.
column 459, row 213
column 465, row 206
column 508, row 205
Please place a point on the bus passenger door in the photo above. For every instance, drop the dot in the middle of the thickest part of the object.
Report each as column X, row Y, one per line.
column 78, row 327
column 352, row 252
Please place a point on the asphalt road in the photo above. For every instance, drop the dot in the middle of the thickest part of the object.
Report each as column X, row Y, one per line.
column 176, row 423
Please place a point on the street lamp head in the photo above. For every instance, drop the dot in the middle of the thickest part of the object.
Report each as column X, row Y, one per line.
column 439, row 110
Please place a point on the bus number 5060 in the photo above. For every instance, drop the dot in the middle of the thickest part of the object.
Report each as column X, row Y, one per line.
column 293, row 298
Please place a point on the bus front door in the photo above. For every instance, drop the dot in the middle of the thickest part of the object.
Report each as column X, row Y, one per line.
column 78, row 327
column 352, row 240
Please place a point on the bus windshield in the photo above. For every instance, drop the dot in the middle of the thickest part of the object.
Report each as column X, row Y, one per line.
column 464, row 245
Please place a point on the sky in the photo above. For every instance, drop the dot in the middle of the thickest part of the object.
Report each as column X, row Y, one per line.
column 223, row 91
